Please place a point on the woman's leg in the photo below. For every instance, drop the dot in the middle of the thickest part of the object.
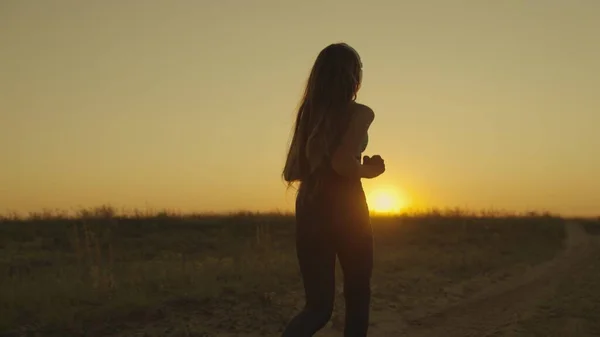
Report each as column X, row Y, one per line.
column 316, row 257
column 354, row 247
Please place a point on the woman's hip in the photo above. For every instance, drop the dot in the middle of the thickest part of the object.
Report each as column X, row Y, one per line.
column 341, row 209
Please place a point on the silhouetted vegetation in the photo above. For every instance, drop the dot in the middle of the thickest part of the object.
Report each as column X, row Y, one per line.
column 103, row 272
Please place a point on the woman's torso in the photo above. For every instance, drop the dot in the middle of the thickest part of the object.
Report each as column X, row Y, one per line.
column 332, row 194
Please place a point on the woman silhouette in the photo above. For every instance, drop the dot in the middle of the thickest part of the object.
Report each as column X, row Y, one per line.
column 332, row 217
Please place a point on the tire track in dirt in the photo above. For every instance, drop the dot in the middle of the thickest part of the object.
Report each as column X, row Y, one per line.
column 497, row 309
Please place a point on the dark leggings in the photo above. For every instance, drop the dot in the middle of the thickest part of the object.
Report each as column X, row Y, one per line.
column 335, row 223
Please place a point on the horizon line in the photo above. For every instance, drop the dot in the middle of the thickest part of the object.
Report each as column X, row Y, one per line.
column 109, row 211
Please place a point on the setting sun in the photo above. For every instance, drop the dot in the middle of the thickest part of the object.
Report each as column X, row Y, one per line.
column 386, row 200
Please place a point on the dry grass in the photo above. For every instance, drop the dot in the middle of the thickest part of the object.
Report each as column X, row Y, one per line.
column 99, row 273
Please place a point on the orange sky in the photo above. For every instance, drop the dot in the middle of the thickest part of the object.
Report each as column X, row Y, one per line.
column 188, row 104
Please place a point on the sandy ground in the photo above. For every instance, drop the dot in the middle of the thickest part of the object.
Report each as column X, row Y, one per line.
column 501, row 308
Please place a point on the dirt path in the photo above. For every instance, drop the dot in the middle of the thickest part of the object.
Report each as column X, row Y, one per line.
column 498, row 309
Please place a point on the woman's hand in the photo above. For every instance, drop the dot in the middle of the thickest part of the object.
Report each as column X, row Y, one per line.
column 373, row 166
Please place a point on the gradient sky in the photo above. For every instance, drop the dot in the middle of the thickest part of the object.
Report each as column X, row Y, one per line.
column 188, row 105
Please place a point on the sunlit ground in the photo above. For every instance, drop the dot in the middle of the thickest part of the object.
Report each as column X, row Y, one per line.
column 387, row 200
column 167, row 274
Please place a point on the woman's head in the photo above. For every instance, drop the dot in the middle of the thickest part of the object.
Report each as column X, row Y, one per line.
column 335, row 77
column 332, row 86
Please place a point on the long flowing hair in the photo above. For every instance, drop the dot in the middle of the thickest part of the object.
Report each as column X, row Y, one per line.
column 331, row 87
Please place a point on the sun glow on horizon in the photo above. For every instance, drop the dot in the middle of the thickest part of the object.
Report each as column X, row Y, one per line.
column 386, row 200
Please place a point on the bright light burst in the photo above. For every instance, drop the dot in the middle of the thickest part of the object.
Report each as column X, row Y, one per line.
column 386, row 200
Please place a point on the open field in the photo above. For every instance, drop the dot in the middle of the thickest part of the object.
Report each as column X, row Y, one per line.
column 168, row 275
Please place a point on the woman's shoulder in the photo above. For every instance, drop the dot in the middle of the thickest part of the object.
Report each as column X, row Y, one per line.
column 362, row 112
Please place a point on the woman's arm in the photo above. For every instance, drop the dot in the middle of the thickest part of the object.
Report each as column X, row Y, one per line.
column 344, row 160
